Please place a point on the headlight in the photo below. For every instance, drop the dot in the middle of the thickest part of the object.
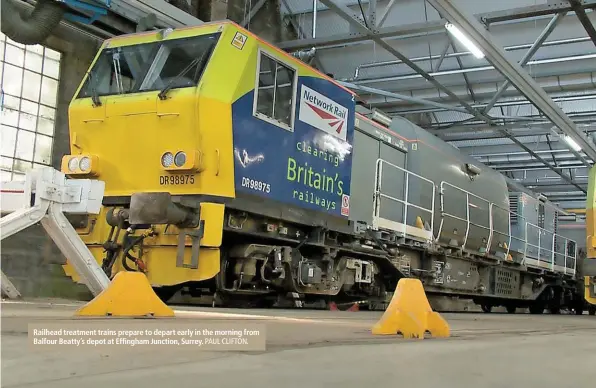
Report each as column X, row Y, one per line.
column 84, row 163
column 167, row 159
column 73, row 164
column 180, row 159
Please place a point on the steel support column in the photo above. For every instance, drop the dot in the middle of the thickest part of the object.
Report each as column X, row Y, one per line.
column 256, row 8
column 515, row 74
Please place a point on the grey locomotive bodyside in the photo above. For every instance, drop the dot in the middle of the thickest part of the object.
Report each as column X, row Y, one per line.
column 387, row 158
column 471, row 241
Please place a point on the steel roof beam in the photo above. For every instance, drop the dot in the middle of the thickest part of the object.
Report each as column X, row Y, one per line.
column 403, row 97
column 426, row 27
column 515, row 74
column 340, row 39
column 360, row 24
column 386, row 11
column 578, row 8
column 529, row 12
column 529, row 54
column 549, row 183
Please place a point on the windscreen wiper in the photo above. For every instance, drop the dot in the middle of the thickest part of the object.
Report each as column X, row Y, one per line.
column 193, row 63
column 94, row 94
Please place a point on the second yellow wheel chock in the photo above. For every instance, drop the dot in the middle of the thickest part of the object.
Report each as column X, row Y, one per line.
column 410, row 314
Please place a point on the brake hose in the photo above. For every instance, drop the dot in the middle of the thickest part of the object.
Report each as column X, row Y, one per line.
column 126, row 254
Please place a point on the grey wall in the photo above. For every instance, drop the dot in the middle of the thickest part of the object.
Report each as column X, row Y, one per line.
column 30, row 259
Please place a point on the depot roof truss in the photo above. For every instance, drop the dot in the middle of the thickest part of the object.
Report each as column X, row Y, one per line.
column 513, row 72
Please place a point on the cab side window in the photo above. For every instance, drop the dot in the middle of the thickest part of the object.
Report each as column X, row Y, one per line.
column 275, row 92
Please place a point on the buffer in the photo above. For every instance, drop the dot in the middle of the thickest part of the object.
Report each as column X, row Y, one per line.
column 44, row 196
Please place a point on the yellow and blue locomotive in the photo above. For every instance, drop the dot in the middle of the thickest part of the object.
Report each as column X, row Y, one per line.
column 234, row 170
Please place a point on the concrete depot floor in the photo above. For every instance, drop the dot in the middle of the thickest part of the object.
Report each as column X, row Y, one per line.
column 316, row 349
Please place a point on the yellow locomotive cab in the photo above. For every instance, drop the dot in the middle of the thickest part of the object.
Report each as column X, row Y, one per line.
column 153, row 116
column 150, row 120
column 153, row 119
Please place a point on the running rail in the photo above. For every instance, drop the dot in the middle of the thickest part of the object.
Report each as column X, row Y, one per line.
column 44, row 197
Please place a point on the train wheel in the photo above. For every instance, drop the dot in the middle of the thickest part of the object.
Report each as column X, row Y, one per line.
column 486, row 308
column 592, row 310
column 554, row 310
column 511, row 309
column 536, row 308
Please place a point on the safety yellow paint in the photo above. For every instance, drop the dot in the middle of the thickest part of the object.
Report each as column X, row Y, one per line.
column 128, row 295
column 590, row 284
column 161, row 265
column 410, row 314
column 128, row 134
column 159, row 252
column 591, row 232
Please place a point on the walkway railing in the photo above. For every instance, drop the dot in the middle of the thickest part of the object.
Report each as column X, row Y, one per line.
column 540, row 247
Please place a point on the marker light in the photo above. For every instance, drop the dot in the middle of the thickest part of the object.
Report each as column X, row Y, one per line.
column 463, row 39
column 84, row 163
column 73, row 164
column 80, row 165
column 167, row 159
column 187, row 160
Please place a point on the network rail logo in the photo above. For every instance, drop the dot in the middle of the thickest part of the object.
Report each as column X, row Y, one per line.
column 323, row 113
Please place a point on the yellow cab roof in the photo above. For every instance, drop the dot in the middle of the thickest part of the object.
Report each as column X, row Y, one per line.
column 206, row 28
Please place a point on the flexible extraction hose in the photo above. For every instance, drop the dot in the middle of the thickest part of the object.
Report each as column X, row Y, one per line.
column 33, row 28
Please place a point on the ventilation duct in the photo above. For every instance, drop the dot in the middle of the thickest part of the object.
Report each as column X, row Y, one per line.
column 32, row 28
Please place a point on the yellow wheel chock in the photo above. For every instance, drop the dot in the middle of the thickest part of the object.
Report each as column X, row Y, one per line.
column 128, row 295
column 410, row 314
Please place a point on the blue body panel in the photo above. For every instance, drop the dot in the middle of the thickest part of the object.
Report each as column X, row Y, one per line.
column 306, row 167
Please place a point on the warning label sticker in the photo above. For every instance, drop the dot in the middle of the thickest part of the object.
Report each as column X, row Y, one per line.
column 239, row 40
column 345, row 205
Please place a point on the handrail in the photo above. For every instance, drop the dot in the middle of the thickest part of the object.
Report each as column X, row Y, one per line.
column 539, row 246
column 570, row 260
column 509, row 234
column 467, row 219
column 552, row 250
column 405, row 202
